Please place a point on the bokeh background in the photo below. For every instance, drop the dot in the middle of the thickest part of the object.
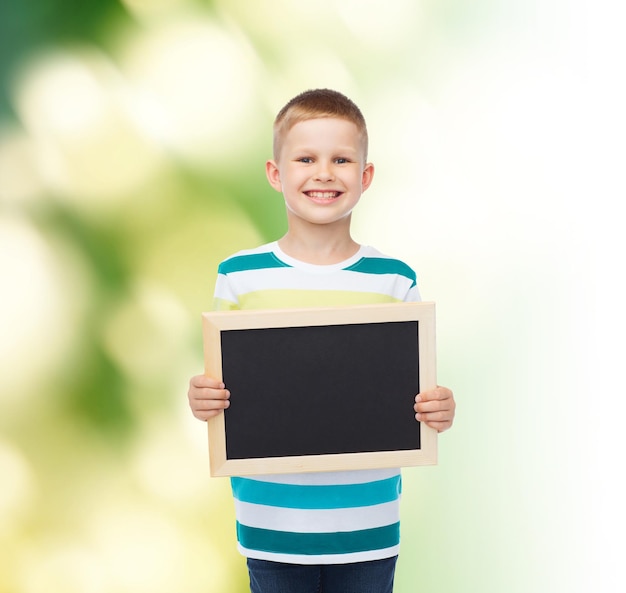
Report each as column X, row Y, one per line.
column 133, row 135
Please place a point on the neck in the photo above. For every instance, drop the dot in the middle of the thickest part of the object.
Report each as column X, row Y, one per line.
column 319, row 247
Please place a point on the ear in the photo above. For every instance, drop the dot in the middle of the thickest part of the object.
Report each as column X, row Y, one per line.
column 367, row 176
column 273, row 175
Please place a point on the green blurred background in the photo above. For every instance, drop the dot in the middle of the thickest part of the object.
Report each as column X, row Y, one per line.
column 133, row 135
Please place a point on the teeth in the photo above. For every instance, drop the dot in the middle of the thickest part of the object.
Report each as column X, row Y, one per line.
column 324, row 195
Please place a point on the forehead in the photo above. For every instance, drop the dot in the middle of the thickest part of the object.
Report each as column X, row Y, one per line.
column 324, row 133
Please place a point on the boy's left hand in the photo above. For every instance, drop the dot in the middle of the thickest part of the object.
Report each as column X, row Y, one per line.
column 435, row 407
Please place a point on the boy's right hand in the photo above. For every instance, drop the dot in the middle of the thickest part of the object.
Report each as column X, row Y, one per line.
column 207, row 397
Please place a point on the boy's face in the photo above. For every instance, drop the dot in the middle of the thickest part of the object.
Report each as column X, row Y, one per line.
column 321, row 170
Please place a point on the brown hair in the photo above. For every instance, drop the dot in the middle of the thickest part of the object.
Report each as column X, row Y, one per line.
column 314, row 104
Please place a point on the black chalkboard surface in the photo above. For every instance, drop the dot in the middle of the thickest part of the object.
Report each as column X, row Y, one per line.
column 320, row 389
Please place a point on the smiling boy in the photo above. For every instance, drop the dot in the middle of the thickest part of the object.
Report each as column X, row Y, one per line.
column 335, row 532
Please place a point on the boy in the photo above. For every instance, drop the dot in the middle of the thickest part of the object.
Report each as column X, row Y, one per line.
column 335, row 532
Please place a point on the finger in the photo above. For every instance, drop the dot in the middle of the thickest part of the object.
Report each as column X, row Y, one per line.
column 439, row 426
column 438, row 420
column 206, row 414
column 434, row 406
column 443, row 416
column 202, row 381
column 207, row 408
column 201, row 387
column 209, row 400
column 208, row 393
column 210, row 403
column 436, row 394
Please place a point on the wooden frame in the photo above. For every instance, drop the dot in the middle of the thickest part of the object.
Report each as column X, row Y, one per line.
column 220, row 328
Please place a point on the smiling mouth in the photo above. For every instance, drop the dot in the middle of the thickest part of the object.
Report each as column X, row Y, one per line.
column 323, row 195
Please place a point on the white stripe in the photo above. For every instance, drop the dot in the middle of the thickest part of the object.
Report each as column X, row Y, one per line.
column 315, row 520
column 322, row 559
column 223, row 290
column 319, row 268
column 289, row 278
column 364, row 251
column 331, row 478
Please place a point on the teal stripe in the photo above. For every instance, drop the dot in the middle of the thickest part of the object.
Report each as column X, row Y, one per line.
column 383, row 265
column 253, row 261
column 294, row 496
column 349, row 542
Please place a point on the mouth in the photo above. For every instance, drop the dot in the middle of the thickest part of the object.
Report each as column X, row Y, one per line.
column 323, row 195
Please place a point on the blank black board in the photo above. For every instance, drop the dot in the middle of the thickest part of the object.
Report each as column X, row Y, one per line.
column 321, row 390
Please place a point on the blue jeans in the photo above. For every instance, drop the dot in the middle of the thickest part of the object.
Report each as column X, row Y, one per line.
column 375, row 576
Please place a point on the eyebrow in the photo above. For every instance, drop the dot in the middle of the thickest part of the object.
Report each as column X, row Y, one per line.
column 338, row 150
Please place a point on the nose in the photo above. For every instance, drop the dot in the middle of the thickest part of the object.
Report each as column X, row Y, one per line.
column 324, row 171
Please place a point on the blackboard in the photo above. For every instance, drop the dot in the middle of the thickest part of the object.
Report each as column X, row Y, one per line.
column 320, row 389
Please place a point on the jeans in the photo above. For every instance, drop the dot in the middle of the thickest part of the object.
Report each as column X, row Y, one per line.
column 375, row 576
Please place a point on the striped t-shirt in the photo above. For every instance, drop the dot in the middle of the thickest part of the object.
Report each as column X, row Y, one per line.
column 326, row 517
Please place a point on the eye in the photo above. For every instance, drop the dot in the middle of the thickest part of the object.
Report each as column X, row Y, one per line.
column 341, row 160
column 305, row 159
